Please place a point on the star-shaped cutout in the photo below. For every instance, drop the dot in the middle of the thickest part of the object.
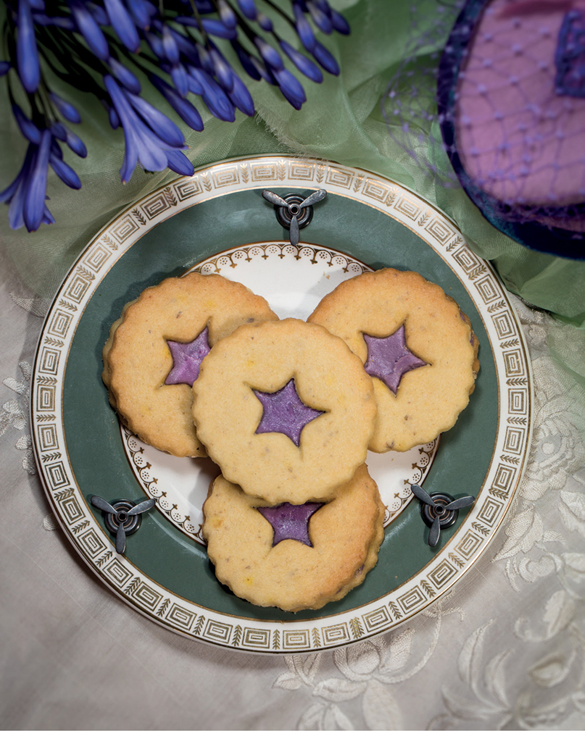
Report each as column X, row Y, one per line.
column 284, row 412
column 290, row 521
column 187, row 359
column 389, row 358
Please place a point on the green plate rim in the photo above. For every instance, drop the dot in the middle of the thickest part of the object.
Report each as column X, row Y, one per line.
column 338, row 628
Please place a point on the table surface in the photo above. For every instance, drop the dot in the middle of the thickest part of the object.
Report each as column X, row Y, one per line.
column 504, row 648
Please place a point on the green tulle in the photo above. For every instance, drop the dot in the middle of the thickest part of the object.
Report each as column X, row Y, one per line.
column 341, row 121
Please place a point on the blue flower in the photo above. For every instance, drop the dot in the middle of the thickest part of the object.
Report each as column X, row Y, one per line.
column 142, row 144
column 213, row 95
column 218, row 28
column 75, row 144
column 113, row 118
column 169, row 45
column 155, row 44
column 122, row 24
column 320, row 17
column 112, row 115
column 111, row 31
column 100, row 15
column 241, row 97
column 179, row 163
column 27, row 55
column 27, row 129
column 66, row 109
column 180, row 79
column 56, row 20
column 262, row 70
column 227, row 15
column 246, row 60
column 26, row 194
column 269, row 55
column 182, row 107
column 59, row 131
column 141, row 13
column 14, row 193
column 194, row 85
column 204, row 6
column 36, row 187
column 63, row 133
column 304, row 65
column 325, row 59
column 125, row 76
column 213, row 26
column 186, row 46
column 89, row 29
column 264, row 22
column 64, row 171
column 339, row 23
column 204, row 60
column 291, row 88
column 47, row 216
column 223, row 71
column 248, row 8
column 303, row 28
column 158, row 122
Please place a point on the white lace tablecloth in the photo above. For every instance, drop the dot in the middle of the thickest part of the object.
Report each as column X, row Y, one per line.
column 505, row 649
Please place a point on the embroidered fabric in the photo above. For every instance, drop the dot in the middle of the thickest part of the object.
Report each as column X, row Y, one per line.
column 506, row 648
column 379, row 115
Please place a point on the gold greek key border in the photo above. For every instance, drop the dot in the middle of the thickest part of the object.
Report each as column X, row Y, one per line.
column 187, row 618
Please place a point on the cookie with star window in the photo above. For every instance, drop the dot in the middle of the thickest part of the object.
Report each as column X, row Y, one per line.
column 154, row 353
column 294, row 556
column 417, row 346
column 285, row 409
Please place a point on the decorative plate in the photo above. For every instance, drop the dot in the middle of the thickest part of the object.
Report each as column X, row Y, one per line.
column 218, row 221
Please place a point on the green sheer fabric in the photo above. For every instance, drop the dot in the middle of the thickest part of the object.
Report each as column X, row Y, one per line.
column 341, row 121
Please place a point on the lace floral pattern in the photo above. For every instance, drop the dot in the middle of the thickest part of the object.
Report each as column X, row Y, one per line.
column 538, row 679
column 365, row 671
column 505, row 651
column 15, row 414
column 519, row 661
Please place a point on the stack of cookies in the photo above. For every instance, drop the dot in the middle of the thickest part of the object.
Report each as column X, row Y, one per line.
column 288, row 409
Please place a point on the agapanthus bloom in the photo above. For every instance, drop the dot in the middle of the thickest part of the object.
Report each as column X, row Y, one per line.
column 101, row 43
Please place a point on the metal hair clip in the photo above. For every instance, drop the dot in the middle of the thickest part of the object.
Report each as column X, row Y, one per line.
column 293, row 211
column 122, row 517
column 439, row 510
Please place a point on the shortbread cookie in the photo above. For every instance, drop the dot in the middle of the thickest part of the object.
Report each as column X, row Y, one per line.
column 417, row 346
column 285, row 409
column 155, row 349
column 294, row 557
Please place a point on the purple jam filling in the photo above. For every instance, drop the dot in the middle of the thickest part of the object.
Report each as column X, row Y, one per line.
column 389, row 358
column 187, row 359
column 290, row 521
column 284, row 412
